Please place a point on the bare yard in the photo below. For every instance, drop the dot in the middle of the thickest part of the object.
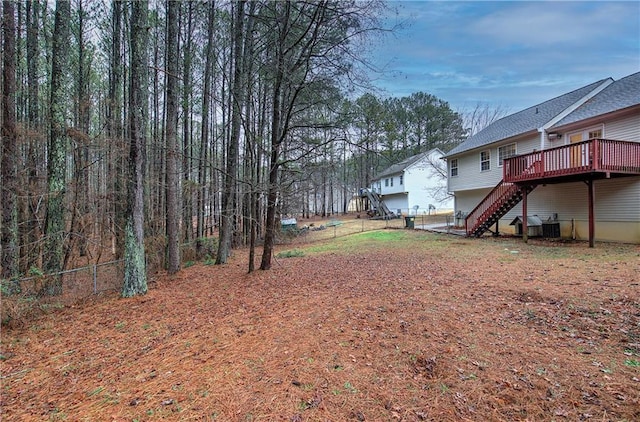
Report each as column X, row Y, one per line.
column 377, row 326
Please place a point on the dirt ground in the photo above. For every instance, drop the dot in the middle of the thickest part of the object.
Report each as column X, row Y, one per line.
column 390, row 325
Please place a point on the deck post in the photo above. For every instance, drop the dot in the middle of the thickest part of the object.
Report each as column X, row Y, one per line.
column 525, row 230
column 590, row 186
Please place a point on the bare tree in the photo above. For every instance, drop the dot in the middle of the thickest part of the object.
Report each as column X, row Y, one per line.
column 262, row 124
column 437, row 169
column 310, row 48
column 481, row 116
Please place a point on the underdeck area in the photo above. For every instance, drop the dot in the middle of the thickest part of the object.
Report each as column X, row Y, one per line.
column 585, row 161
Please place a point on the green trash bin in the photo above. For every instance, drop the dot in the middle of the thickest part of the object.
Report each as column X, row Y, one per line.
column 410, row 222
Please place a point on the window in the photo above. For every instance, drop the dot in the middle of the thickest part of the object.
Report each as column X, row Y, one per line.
column 504, row 152
column 575, row 138
column 485, row 161
column 391, row 182
column 386, row 183
column 453, row 166
column 401, row 177
column 595, row 134
column 586, row 134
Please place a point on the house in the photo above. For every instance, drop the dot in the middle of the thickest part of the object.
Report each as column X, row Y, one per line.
column 414, row 186
column 573, row 160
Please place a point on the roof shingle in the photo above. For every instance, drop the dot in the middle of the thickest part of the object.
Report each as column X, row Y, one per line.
column 524, row 121
column 404, row 164
column 619, row 95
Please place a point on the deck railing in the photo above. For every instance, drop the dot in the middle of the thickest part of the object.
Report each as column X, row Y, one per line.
column 594, row 155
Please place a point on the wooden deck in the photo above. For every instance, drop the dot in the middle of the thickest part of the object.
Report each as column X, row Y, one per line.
column 592, row 159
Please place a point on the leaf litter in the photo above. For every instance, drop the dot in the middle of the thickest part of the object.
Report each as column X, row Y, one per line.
column 433, row 329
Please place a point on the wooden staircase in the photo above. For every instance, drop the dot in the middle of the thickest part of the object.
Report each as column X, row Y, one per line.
column 378, row 206
column 494, row 206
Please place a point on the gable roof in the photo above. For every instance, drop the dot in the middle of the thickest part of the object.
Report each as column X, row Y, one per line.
column 619, row 95
column 525, row 121
column 404, row 164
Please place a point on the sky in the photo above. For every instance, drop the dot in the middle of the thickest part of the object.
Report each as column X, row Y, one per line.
column 507, row 54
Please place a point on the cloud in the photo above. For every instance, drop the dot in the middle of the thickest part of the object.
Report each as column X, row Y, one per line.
column 513, row 53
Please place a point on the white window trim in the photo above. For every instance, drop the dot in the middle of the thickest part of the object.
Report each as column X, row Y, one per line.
column 515, row 144
column 585, row 133
column 451, row 167
column 485, row 161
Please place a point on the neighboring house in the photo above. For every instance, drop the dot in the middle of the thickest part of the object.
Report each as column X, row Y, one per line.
column 414, row 186
column 574, row 159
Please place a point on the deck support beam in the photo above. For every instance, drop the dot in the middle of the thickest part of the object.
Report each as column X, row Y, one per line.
column 525, row 229
column 591, row 187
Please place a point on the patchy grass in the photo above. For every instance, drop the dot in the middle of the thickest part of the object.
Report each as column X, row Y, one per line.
column 294, row 253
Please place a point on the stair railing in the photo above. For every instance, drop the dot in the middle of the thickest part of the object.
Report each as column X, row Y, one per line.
column 497, row 194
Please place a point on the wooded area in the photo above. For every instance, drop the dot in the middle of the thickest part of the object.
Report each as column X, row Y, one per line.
column 132, row 128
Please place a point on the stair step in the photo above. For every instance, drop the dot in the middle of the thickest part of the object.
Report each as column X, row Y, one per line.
column 509, row 199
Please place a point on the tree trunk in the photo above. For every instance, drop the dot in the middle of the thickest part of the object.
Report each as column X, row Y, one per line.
column 173, row 181
column 231, row 168
column 155, row 169
column 187, row 150
column 272, row 196
column 32, row 237
column 56, row 162
column 135, row 274
column 272, row 187
column 9, row 244
column 257, row 147
column 82, row 152
column 20, row 99
column 204, row 133
column 115, row 133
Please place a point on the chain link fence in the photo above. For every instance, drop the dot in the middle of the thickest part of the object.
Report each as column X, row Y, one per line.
column 23, row 298
column 314, row 232
column 26, row 297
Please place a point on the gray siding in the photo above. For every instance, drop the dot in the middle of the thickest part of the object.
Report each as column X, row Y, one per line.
column 627, row 129
column 615, row 200
column 618, row 200
column 466, row 201
column 469, row 174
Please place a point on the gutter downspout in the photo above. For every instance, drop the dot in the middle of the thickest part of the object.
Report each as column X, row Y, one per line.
column 543, row 133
